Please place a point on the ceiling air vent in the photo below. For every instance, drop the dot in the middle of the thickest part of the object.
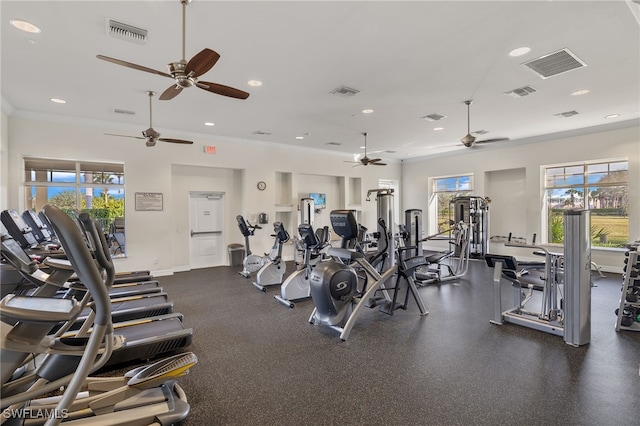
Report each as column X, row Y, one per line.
column 521, row 92
column 555, row 63
column 260, row 132
column 434, row 117
column 481, row 132
column 123, row 111
column 126, row 32
column 344, row 91
column 334, row 143
column 567, row 114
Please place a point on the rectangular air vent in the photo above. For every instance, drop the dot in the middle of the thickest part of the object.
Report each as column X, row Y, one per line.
column 567, row 114
column 123, row 111
column 521, row 92
column 126, row 32
column 434, row 117
column 260, row 132
column 555, row 63
column 344, row 91
column 480, row 132
column 334, row 143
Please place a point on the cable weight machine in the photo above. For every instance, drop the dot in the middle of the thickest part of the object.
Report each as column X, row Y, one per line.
column 474, row 211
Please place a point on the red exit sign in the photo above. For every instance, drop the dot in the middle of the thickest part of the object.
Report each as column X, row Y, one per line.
column 209, row 149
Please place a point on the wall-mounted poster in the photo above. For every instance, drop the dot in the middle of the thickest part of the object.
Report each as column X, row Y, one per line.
column 149, row 201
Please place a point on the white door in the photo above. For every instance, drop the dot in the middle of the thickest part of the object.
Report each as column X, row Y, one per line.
column 206, row 246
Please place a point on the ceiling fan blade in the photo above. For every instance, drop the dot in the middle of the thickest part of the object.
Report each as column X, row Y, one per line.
column 493, row 140
column 223, row 90
column 173, row 91
column 378, row 164
column 373, row 160
column 175, row 141
column 202, row 62
column 134, row 66
column 124, row 136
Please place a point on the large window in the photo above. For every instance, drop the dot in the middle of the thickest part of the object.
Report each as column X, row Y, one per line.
column 602, row 188
column 97, row 188
column 444, row 190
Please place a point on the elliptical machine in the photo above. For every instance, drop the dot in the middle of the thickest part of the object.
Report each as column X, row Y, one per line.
column 337, row 293
column 273, row 269
column 296, row 286
column 252, row 262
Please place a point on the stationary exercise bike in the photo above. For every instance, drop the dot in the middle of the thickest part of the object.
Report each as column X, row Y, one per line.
column 296, row 286
column 274, row 268
column 252, row 262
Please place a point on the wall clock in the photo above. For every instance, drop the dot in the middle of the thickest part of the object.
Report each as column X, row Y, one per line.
column 262, row 185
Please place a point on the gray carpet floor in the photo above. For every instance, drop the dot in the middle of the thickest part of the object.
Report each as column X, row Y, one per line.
column 260, row 363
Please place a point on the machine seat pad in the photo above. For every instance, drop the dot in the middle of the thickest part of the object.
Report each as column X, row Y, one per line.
column 526, row 278
column 436, row 256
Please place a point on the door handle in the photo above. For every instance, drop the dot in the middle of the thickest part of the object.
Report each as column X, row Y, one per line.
column 204, row 232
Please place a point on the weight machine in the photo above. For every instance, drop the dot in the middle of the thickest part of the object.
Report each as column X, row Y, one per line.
column 440, row 264
column 566, row 285
column 473, row 211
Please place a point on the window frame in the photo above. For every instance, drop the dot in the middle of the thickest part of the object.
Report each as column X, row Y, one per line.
column 79, row 169
column 433, row 213
column 584, row 186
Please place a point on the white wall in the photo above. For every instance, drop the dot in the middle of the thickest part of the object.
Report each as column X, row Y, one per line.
column 173, row 170
column 4, row 162
column 238, row 165
column 527, row 159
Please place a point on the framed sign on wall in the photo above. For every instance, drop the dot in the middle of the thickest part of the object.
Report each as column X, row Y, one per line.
column 149, row 201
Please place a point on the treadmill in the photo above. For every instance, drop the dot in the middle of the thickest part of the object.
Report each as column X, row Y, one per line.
column 125, row 305
column 144, row 338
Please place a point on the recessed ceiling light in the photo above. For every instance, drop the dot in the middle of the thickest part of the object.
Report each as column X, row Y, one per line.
column 367, row 111
column 612, row 116
column 410, row 154
column 254, row 83
column 58, row 101
column 24, row 26
column 438, row 128
column 299, row 137
column 362, row 147
column 580, row 92
column 519, row 51
column 210, row 124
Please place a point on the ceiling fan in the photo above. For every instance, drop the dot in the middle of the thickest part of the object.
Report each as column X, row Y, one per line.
column 150, row 135
column 470, row 140
column 365, row 161
column 186, row 73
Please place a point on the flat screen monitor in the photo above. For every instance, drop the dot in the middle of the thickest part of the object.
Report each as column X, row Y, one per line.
column 319, row 200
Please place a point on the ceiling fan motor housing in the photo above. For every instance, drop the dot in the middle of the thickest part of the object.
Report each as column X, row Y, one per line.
column 176, row 69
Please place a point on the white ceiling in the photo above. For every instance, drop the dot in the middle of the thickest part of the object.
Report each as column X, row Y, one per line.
column 407, row 59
